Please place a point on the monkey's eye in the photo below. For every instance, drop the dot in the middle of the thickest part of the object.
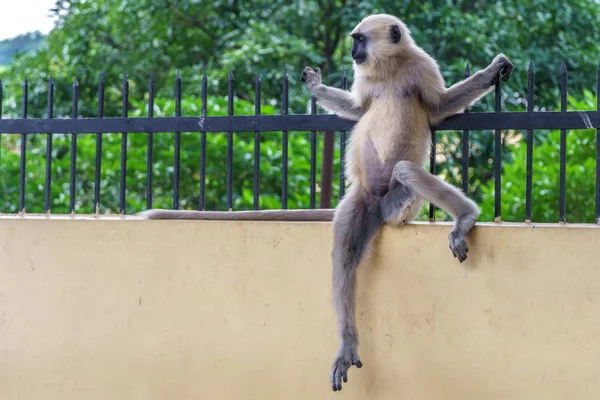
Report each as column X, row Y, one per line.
column 358, row 37
column 395, row 34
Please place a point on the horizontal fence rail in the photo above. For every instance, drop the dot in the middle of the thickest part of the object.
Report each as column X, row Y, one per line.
column 277, row 123
column 466, row 122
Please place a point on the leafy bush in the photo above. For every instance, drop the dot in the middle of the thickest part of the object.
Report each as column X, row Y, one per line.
column 580, row 175
column 243, row 166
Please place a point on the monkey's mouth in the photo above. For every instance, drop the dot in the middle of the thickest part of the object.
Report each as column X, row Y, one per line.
column 360, row 60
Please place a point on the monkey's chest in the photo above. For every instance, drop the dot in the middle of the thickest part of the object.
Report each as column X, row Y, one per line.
column 376, row 171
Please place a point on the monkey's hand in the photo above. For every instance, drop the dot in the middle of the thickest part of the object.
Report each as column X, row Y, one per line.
column 500, row 65
column 311, row 77
column 345, row 358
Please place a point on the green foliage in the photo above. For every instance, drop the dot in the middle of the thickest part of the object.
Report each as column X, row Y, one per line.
column 243, row 166
column 121, row 37
column 21, row 44
column 580, row 176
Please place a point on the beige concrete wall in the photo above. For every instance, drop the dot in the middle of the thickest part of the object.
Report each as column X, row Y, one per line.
column 113, row 309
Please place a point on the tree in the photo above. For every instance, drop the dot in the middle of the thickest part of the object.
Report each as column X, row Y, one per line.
column 268, row 37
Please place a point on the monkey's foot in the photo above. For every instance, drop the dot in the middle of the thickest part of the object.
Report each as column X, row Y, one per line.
column 458, row 244
column 346, row 357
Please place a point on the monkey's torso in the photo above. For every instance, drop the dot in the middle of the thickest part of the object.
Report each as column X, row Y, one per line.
column 394, row 128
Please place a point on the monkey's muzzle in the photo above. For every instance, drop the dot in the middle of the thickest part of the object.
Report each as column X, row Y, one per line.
column 359, row 59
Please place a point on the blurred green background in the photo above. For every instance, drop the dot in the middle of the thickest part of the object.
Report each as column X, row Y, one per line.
column 138, row 37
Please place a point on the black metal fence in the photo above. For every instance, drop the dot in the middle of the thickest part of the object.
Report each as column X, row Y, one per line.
column 203, row 124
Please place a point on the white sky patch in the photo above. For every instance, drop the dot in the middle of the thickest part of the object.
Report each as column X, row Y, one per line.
column 22, row 16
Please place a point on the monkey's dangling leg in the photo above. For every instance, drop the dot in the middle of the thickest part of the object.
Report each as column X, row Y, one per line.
column 447, row 197
column 355, row 223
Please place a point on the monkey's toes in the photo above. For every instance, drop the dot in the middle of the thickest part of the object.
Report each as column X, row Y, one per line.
column 339, row 371
column 458, row 245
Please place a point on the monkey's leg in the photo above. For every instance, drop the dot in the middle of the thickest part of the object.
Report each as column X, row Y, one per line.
column 433, row 189
column 355, row 222
column 400, row 204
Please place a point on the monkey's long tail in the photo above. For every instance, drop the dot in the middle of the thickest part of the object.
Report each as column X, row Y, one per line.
column 260, row 215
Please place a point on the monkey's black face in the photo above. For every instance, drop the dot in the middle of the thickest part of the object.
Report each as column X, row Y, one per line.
column 359, row 48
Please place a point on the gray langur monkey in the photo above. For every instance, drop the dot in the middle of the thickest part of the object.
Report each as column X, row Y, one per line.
column 397, row 94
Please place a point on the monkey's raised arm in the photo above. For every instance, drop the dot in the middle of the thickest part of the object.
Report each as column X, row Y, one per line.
column 338, row 101
column 442, row 103
column 335, row 100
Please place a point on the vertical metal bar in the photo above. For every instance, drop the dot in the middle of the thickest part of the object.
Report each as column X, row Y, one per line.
column 1, row 94
column 563, row 145
column 498, row 156
column 465, row 150
column 47, row 188
column 150, row 150
column 1, row 91
column 177, row 150
column 203, row 147
column 125, row 113
column 432, row 162
column 72, row 186
column 98, row 172
column 343, row 148
column 326, row 185
column 528, row 184
column 230, row 144
column 313, row 156
column 257, row 107
column 284, row 147
column 23, row 151
column 597, row 147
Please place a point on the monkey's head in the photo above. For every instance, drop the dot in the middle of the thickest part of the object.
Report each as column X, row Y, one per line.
column 378, row 40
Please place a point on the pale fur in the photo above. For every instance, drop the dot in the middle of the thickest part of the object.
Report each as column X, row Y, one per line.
column 398, row 94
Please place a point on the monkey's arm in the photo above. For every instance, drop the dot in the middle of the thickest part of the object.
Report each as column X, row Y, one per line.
column 443, row 103
column 335, row 100
column 338, row 101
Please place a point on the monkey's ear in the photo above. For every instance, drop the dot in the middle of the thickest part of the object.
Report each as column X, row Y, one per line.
column 395, row 34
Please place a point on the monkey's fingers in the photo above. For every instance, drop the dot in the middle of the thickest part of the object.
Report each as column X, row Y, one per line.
column 305, row 73
column 506, row 71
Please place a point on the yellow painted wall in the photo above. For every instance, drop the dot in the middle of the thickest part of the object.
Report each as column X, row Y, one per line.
column 131, row 309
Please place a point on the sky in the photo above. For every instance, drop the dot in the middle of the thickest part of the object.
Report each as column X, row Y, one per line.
column 22, row 16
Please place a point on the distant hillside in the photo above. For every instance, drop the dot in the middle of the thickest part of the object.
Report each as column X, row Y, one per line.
column 22, row 43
